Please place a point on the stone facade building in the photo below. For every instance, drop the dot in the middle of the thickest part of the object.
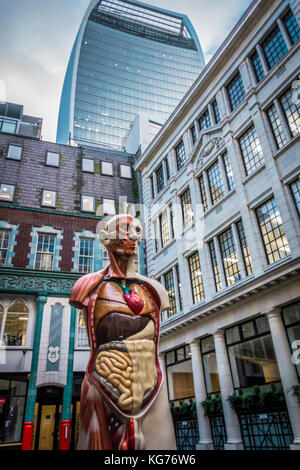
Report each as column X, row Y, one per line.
column 52, row 197
column 221, row 188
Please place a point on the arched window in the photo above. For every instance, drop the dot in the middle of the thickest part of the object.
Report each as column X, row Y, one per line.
column 16, row 320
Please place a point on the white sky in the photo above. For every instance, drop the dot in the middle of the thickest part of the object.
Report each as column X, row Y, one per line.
column 37, row 37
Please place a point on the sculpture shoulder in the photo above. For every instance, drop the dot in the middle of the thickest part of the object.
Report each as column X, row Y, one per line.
column 83, row 287
column 161, row 291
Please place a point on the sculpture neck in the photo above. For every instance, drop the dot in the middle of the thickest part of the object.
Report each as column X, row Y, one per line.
column 121, row 266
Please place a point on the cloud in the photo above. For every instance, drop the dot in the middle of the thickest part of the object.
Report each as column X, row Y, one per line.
column 38, row 35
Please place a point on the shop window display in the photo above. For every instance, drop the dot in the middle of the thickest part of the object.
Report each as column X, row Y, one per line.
column 12, row 407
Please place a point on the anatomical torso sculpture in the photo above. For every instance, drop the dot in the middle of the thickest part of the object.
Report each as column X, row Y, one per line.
column 124, row 403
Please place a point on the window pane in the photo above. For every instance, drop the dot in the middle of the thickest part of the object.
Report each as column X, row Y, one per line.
column 14, row 152
column 215, row 182
column 292, row 26
column 52, row 159
column 170, row 288
column 8, row 125
column 291, row 314
column 15, row 329
column 160, row 178
column 276, row 127
column 295, row 188
column 230, row 257
column 274, row 47
column 86, row 255
column 109, row 207
column 196, row 277
column 203, row 193
column 211, row 372
column 87, row 203
column 257, row 67
column 272, row 232
column 164, row 228
column 262, row 324
column 291, row 111
column 180, row 155
column 82, row 337
column 233, row 335
column 49, row 198
column 215, row 266
column 12, row 413
column 45, row 252
column 216, row 111
column 207, row 344
column 7, row 192
column 4, row 237
column 187, row 209
column 107, row 168
column 204, row 121
column 167, row 168
column 88, row 165
column 248, row 329
column 253, row 362
column 193, row 133
column 251, row 150
column 125, row 171
column 245, row 248
column 235, row 91
column 228, row 170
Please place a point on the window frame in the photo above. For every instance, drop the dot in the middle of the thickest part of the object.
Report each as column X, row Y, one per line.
column 52, row 206
column 12, row 194
column 15, row 146
column 81, row 204
column 52, row 153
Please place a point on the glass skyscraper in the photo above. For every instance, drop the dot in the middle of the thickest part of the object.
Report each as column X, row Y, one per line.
column 128, row 57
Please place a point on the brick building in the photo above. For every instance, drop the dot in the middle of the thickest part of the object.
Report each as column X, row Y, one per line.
column 51, row 198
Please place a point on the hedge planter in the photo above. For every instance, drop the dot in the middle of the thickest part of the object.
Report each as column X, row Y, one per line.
column 257, row 399
column 296, row 389
column 185, row 410
column 212, row 405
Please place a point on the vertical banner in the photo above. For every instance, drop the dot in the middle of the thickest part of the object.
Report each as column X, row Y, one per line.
column 53, row 355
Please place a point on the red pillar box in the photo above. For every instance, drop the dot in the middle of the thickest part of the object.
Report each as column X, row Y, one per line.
column 65, row 432
column 27, row 436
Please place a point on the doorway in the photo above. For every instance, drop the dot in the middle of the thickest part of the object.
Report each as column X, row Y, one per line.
column 48, row 418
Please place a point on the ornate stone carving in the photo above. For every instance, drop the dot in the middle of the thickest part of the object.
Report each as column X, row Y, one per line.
column 214, row 143
column 36, row 283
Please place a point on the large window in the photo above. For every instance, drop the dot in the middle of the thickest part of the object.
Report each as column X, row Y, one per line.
column 274, row 47
column 187, row 209
column 235, row 91
column 210, row 366
column 245, row 248
column 251, row 353
column 291, row 317
column 277, row 128
column 291, row 26
column 251, row 150
column 13, row 391
column 180, row 155
column 170, row 288
column 86, row 255
column 13, row 323
column 291, row 111
column 196, row 277
column 4, row 237
column 204, row 121
column 45, row 252
column 257, row 67
column 272, row 231
column 180, row 373
column 164, row 229
column 295, row 188
column 230, row 257
column 215, row 266
column 160, row 178
column 215, row 182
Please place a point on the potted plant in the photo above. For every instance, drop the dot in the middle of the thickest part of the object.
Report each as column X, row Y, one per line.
column 296, row 389
column 185, row 410
column 257, row 399
column 212, row 405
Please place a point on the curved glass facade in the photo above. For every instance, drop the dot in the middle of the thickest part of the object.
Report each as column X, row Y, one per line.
column 130, row 58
